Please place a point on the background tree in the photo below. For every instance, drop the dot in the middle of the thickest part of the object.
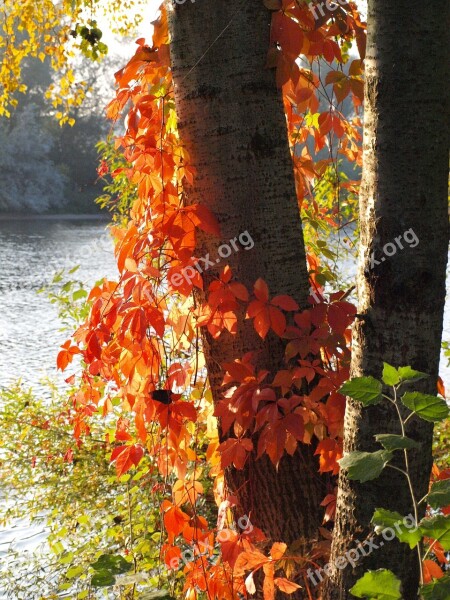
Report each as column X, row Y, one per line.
column 401, row 295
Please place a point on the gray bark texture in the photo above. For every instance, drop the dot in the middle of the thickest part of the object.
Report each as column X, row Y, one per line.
column 232, row 122
column 401, row 297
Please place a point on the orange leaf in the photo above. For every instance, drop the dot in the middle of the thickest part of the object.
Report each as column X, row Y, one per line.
column 277, row 320
column 330, row 452
column 262, row 323
column 431, row 570
column 249, row 560
column 231, row 546
column 286, row 586
column 175, row 519
column 278, row 549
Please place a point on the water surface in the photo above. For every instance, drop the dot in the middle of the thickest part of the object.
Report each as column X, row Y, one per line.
column 32, row 250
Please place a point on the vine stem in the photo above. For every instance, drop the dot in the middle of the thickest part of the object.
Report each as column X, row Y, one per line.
column 130, row 517
column 411, row 487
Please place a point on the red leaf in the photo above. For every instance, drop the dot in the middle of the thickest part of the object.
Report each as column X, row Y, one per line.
column 277, row 320
column 126, row 457
column 238, row 371
column 285, row 302
column 205, row 219
column 261, row 290
column 287, row 33
column 261, row 323
column 231, row 546
column 234, row 451
column 431, row 570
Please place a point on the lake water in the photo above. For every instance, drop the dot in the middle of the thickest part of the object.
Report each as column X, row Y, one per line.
column 31, row 252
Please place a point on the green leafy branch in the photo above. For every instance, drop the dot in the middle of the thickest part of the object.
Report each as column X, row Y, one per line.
column 365, row 466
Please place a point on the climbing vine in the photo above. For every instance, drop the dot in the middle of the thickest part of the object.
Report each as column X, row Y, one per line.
column 142, row 364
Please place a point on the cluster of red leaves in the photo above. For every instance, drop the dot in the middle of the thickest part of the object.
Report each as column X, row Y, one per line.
column 142, row 333
column 296, row 32
column 278, row 411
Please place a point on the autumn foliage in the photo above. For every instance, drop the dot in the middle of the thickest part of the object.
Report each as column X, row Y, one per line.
column 143, row 367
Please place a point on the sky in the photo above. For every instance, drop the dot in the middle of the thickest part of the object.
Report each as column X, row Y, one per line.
column 118, row 46
column 121, row 47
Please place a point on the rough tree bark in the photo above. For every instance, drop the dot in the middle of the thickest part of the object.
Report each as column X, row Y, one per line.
column 232, row 122
column 401, row 297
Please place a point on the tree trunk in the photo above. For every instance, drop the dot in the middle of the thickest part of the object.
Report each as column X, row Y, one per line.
column 231, row 120
column 401, row 297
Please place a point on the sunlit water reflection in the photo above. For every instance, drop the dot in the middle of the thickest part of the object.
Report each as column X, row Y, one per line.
column 31, row 251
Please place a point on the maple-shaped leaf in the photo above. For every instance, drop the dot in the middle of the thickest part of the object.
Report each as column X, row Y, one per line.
column 234, row 451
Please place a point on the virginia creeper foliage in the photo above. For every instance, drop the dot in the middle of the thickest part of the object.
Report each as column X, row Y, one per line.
column 143, row 367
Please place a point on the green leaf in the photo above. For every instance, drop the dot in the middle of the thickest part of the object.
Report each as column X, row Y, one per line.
column 438, row 589
column 74, row 572
column 115, row 564
column 364, row 466
column 439, row 494
column 429, row 408
column 103, row 578
column 79, row 294
column 378, row 585
column 437, row 528
column 366, row 390
column 408, row 374
column 390, row 375
column 393, row 442
column 388, row 519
